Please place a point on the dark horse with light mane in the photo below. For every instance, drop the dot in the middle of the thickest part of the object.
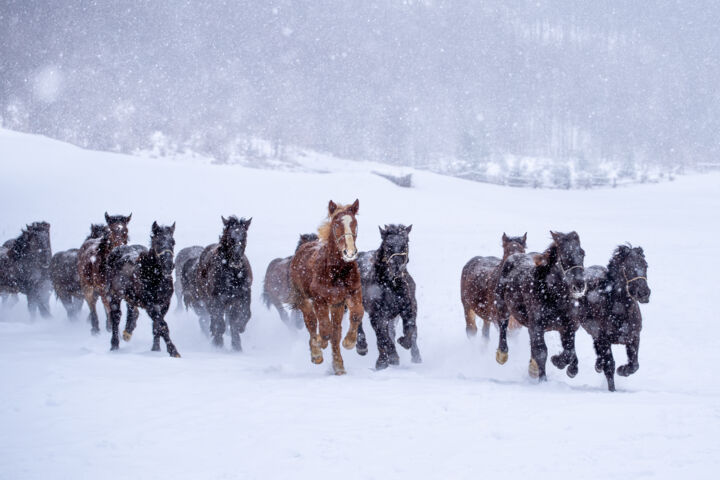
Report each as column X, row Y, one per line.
column 91, row 265
column 218, row 283
column 541, row 291
column 389, row 292
column 478, row 283
column 325, row 280
column 25, row 265
column 143, row 278
column 610, row 311
column 65, row 278
column 277, row 286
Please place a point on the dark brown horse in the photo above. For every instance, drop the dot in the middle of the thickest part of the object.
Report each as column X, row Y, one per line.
column 65, row 278
column 610, row 311
column 277, row 287
column 25, row 265
column 389, row 293
column 541, row 292
column 325, row 280
column 143, row 278
column 478, row 283
column 218, row 284
column 91, row 265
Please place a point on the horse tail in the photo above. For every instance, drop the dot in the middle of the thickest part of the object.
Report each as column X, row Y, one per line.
column 266, row 299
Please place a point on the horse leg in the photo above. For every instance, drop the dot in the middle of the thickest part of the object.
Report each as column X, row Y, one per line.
column 91, row 299
column 337, row 312
column 568, row 357
column 538, row 352
column 393, row 356
column 379, row 324
column 361, row 347
column 605, row 360
column 470, row 325
column 311, row 323
column 217, row 323
column 275, row 302
column 239, row 317
column 322, row 310
column 106, row 303
column 161, row 329
column 115, row 314
column 356, row 310
column 40, row 301
column 501, row 355
column 131, row 322
column 633, row 364
column 74, row 307
column 297, row 318
column 409, row 338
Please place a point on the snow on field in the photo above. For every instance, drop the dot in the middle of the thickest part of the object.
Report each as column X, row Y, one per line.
column 70, row 409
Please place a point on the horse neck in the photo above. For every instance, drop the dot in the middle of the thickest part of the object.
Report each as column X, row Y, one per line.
column 616, row 280
column 551, row 256
column 331, row 257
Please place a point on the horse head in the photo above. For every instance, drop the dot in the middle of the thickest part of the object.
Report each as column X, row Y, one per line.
column 343, row 229
column 512, row 245
column 234, row 237
column 118, row 230
column 394, row 249
column 162, row 246
column 629, row 268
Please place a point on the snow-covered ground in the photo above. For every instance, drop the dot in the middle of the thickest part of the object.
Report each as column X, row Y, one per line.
column 70, row 409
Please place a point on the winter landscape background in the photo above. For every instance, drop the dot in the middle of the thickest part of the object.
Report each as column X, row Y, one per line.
column 557, row 94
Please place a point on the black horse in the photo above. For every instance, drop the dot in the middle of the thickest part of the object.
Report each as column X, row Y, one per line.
column 184, row 256
column 65, row 278
column 541, row 292
column 610, row 312
column 143, row 278
column 388, row 292
column 218, row 283
column 25, row 267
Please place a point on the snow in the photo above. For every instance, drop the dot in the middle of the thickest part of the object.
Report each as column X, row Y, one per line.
column 71, row 409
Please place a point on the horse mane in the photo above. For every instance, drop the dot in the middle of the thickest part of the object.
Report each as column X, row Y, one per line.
column 324, row 228
column 305, row 238
column 547, row 259
column 393, row 229
column 618, row 257
column 20, row 244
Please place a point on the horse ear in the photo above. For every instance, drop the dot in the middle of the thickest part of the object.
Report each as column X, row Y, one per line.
column 155, row 227
column 247, row 222
column 332, row 206
column 127, row 219
column 408, row 228
column 555, row 235
column 640, row 250
column 525, row 239
column 107, row 217
column 505, row 238
column 172, row 228
column 355, row 206
column 382, row 232
column 225, row 222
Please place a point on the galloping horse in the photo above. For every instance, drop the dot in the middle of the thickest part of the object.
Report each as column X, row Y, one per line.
column 184, row 256
column 277, row 287
column 24, row 267
column 389, row 292
column 91, row 265
column 143, row 278
column 65, row 278
column 610, row 313
column 325, row 280
column 541, row 291
column 478, row 282
column 218, row 283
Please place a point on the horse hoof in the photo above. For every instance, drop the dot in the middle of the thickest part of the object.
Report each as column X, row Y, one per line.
column 175, row 354
column 339, row 370
column 95, row 331
column 501, row 357
column 394, row 359
column 155, row 348
column 471, row 332
column 533, row 369
column 126, row 335
column 361, row 349
column 624, row 371
column 113, row 348
column 349, row 343
column 381, row 365
column 558, row 361
column 416, row 358
column 571, row 371
column 598, row 366
column 316, row 359
column 218, row 342
column 405, row 342
column 324, row 343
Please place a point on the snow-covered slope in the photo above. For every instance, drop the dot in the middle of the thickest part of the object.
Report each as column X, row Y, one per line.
column 70, row 409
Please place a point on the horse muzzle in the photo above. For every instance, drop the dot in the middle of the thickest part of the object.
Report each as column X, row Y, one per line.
column 578, row 294
column 349, row 256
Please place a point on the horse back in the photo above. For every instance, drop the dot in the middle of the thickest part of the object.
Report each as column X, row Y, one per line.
column 64, row 272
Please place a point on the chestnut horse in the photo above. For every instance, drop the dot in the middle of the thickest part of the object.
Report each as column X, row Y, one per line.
column 91, row 265
column 541, row 292
column 325, row 280
column 64, row 275
column 478, row 283
column 609, row 311
column 277, row 287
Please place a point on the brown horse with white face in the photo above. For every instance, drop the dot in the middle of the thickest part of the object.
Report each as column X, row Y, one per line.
column 325, row 280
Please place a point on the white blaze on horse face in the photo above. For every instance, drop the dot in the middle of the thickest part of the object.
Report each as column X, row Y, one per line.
column 350, row 252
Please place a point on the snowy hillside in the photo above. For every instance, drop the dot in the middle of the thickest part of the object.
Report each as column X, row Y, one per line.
column 70, row 409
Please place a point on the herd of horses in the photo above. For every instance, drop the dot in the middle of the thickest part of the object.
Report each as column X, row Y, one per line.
column 326, row 278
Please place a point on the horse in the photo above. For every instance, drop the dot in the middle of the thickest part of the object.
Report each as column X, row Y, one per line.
column 325, row 280
column 91, row 265
column 277, row 288
column 25, row 265
column 610, row 311
column 478, row 282
column 143, row 278
column 64, row 275
column 388, row 291
column 541, row 291
column 181, row 259
column 218, row 283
